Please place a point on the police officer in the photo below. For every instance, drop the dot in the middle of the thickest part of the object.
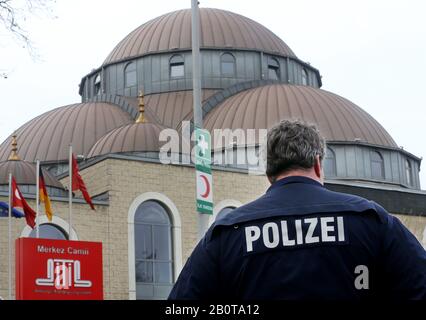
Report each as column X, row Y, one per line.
column 302, row 241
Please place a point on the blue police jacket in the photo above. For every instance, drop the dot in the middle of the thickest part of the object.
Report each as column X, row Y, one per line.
column 302, row 241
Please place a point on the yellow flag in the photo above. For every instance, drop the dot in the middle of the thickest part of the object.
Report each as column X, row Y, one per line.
column 44, row 197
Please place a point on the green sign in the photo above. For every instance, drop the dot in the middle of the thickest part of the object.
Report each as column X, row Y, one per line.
column 203, row 162
column 203, row 151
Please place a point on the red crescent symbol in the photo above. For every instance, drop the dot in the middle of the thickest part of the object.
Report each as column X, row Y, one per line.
column 206, row 182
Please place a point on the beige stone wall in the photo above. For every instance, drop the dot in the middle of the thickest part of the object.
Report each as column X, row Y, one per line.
column 125, row 180
column 416, row 224
column 129, row 179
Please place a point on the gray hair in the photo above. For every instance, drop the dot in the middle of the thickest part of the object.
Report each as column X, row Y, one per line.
column 293, row 145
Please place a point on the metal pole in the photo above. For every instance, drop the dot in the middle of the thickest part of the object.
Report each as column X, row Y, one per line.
column 70, row 194
column 37, row 199
column 196, row 64
column 10, row 236
column 196, row 78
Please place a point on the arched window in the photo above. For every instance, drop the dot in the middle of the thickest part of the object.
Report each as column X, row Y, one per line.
column 223, row 208
column 130, row 75
column 153, row 251
column 408, row 172
column 224, row 212
column 49, row 231
column 304, row 77
column 377, row 166
column 177, row 66
column 273, row 69
column 330, row 163
column 227, row 65
column 97, row 83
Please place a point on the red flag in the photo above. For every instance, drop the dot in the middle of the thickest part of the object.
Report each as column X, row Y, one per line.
column 78, row 183
column 18, row 201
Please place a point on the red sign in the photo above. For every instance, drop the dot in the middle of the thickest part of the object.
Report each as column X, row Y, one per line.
column 58, row 270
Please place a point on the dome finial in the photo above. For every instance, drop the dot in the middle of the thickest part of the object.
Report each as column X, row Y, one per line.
column 14, row 154
column 141, row 118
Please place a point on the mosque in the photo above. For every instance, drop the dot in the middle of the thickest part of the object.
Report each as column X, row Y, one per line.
column 145, row 210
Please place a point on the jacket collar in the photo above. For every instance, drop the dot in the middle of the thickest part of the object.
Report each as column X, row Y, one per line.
column 293, row 179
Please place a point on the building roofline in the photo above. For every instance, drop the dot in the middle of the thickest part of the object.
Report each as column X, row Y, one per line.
column 60, row 199
column 392, row 197
column 394, row 200
column 368, row 184
column 379, row 185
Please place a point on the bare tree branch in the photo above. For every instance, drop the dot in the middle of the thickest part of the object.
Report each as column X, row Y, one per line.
column 13, row 16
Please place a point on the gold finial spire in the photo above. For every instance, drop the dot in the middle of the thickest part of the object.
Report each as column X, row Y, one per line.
column 141, row 118
column 14, row 154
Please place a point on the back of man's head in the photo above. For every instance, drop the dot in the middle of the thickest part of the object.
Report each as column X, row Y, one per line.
column 293, row 145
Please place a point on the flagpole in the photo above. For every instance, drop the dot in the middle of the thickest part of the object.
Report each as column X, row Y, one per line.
column 70, row 193
column 10, row 236
column 37, row 199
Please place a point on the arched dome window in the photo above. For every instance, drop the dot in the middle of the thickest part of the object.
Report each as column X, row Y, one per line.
column 97, row 84
column 408, row 172
column 153, row 251
column 225, row 211
column 227, row 64
column 49, row 231
column 177, row 66
column 130, row 75
column 330, row 163
column 304, row 77
column 377, row 165
column 273, row 69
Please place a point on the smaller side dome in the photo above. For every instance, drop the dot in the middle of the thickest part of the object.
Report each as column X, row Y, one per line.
column 337, row 118
column 137, row 137
column 47, row 137
column 25, row 174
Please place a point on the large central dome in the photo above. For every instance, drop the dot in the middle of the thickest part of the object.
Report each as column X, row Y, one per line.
column 219, row 29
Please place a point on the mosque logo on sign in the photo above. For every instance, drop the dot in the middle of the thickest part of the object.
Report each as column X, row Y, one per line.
column 63, row 274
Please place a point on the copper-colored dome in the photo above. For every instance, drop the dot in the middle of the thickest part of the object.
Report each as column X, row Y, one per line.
column 219, row 29
column 137, row 137
column 337, row 118
column 171, row 108
column 47, row 137
column 25, row 174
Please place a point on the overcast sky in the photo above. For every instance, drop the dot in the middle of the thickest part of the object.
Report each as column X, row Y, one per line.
column 370, row 52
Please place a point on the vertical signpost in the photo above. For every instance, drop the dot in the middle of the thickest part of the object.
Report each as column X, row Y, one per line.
column 204, row 172
column 204, row 198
